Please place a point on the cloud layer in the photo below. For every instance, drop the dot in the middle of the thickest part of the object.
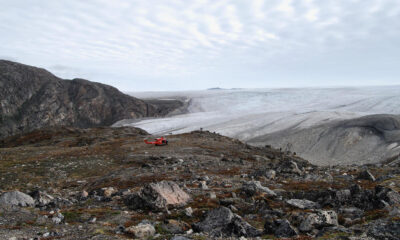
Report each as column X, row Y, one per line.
column 179, row 44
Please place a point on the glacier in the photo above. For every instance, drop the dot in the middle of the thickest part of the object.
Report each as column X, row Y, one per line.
column 249, row 113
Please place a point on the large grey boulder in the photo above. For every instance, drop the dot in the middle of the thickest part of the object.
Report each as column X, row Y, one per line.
column 303, row 203
column 16, row 198
column 222, row 222
column 215, row 221
column 319, row 220
column 158, row 196
column 253, row 187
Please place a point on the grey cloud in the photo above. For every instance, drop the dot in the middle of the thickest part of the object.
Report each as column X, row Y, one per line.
column 203, row 39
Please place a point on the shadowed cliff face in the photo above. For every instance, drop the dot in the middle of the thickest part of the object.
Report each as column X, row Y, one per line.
column 32, row 98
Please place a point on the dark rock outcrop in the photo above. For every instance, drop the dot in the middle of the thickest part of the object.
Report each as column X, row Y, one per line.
column 222, row 222
column 285, row 229
column 32, row 98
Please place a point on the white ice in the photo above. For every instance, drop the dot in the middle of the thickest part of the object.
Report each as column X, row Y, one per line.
column 248, row 113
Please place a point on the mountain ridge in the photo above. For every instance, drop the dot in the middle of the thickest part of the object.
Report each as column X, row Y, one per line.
column 32, row 98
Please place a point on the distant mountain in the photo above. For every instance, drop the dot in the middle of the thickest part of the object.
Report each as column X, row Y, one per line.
column 215, row 88
column 32, row 98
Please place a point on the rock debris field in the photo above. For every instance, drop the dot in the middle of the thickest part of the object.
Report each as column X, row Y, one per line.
column 105, row 183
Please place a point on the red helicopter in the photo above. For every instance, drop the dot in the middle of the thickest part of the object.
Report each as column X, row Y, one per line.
column 158, row 141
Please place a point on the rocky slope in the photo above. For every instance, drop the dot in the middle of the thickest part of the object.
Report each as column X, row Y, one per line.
column 364, row 140
column 105, row 183
column 304, row 117
column 32, row 98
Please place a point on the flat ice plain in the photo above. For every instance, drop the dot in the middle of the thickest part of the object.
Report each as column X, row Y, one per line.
column 249, row 114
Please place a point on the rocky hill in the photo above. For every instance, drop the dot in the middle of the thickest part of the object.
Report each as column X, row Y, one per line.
column 105, row 183
column 32, row 98
column 364, row 140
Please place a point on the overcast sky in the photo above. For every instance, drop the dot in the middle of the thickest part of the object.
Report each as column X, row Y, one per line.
column 198, row 44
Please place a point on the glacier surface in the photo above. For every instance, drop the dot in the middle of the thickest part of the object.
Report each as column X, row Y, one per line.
column 249, row 113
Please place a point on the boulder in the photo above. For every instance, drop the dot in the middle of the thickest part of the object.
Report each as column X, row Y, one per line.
column 289, row 167
column 319, row 220
column 41, row 198
column 58, row 218
column 355, row 189
column 251, row 188
column 141, row 231
column 394, row 211
column 211, row 195
column 188, row 212
column 215, row 221
column 108, row 191
column 239, row 227
column 285, row 229
column 343, row 196
column 270, row 225
column 303, row 203
column 393, row 197
column 174, row 227
column 203, row 185
column 366, row 175
column 389, row 196
column 222, row 222
column 83, row 195
column 16, row 198
column 270, row 174
column 351, row 212
column 383, row 229
column 158, row 196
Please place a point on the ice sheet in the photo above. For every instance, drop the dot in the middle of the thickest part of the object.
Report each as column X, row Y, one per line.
column 248, row 113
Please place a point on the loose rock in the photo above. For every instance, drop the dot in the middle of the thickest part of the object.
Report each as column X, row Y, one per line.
column 141, row 231
column 16, row 198
column 303, row 203
column 222, row 222
column 41, row 198
column 366, row 175
column 253, row 187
